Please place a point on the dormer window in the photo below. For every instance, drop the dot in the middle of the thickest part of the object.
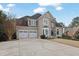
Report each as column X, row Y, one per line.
column 32, row 22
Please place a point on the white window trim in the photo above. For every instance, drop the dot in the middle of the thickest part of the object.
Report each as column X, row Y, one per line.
column 33, row 22
column 46, row 29
column 45, row 21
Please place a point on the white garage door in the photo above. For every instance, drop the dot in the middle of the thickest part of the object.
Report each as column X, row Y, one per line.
column 23, row 34
column 33, row 34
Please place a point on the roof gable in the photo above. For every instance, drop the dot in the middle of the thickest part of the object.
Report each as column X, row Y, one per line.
column 49, row 16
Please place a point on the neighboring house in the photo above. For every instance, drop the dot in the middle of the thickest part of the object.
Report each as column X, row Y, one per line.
column 34, row 26
column 71, row 31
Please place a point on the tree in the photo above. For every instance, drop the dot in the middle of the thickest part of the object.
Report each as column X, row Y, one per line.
column 3, row 17
column 10, row 25
column 75, row 22
column 77, row 35
column 7, row 24
column 9, row 28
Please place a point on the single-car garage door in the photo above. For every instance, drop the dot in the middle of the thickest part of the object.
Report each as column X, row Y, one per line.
column 23, row 34
column 32, row 34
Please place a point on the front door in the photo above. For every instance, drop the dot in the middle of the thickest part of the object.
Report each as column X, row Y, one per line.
column 46, row 32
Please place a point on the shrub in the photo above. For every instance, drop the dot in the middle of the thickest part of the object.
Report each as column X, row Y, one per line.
column 14, row 36
column 77, row 36
column 58, row 37
column 42, row 36
column 3, row 37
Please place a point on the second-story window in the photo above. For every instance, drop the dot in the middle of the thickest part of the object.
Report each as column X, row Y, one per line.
column 45, row 22
column 32, row 22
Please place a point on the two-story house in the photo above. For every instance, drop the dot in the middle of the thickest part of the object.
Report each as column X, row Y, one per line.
column 29, row 27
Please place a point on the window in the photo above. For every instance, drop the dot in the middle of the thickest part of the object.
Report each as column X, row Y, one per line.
column 45, row 22
column 32, row 22
column 53, row 25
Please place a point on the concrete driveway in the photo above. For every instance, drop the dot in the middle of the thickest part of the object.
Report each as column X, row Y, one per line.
column 36, row 47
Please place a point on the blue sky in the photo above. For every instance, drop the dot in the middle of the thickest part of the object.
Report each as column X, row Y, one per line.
column 63, row 12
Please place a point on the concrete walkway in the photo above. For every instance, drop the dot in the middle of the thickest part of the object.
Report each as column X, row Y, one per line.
column 36, row 47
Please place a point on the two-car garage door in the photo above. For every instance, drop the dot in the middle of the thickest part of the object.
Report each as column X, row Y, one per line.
column 27, row 34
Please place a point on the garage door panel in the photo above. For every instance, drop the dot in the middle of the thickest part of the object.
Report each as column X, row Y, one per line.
column 23, row 34
column 33, row 34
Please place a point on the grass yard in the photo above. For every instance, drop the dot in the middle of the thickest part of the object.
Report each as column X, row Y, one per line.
column 68, row 42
